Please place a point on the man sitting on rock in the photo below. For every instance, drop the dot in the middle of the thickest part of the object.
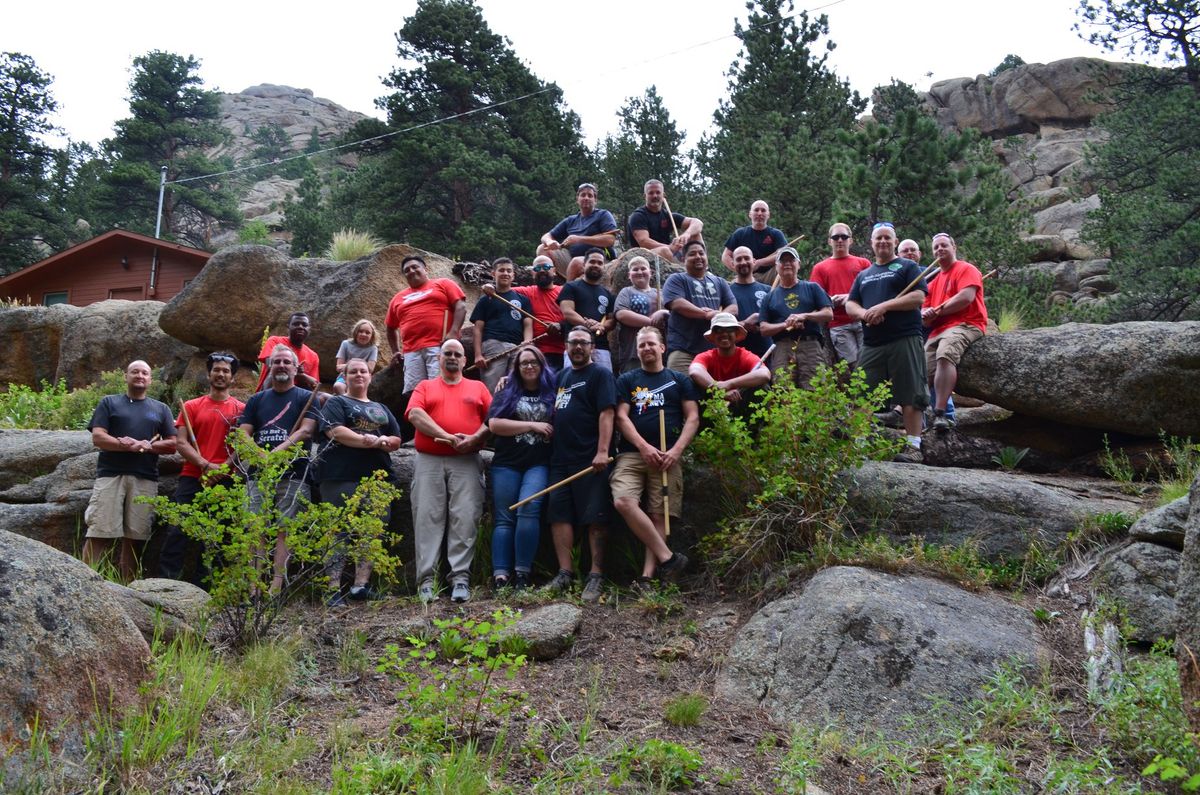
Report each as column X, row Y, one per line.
column 956, row 316
column 568, row 242
column 131, row 431
column 653, row 228
column 308, row 372
column 729, row 367
column 587, row 303
column 497, row 325
column 762, row 240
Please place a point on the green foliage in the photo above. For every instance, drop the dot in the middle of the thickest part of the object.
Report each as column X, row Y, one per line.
column 1009, row 458
column 350, row 244
column 29, row 214
column 272, row 144
column 1010, row 61
column 659, row 763
column 254, row 232
column 1168, row 768
column 54, row 407
column 647, row 145
column 308, row 219
column 685, row 710
column 1116, row 465
column 777, row 467
column 1180, row 468
column 447, row 690
column 238, row 542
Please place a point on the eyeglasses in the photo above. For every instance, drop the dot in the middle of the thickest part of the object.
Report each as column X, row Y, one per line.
column 578, row 343
column 839, row 237
column 542, row 267
column 530, row 364
column 883, row 225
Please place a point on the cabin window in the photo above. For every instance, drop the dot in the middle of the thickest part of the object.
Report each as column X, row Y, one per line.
column 50, row 299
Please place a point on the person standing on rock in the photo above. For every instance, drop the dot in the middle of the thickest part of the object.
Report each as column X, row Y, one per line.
column 201, row 428
column 892, row 331
column 587, row 303
column 450, row 415
column 642, row 456
column 762, row 240
column 308, row 372
column 568, row 242
column 693, row 297
column 956, row 316
column 653, row 228
column 131, row 431
column 835, row 275
column 420, row 318
column 543, row 297
column 750, row 294
column 583, row 425
column 497, row 325
column 792, row 315
column 637, row 306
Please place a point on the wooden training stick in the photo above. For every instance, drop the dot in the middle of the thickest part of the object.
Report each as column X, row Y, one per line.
column 557, row 485
column 913, row 283
column 510, row 351
column 671, row 215
column 445, row 323
column 187, row 423
column 303, row 411
column 762, row 360
column 666, row 491
column 492, row 293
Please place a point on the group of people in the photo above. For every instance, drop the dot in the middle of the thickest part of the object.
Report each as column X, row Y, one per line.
column 600, row 430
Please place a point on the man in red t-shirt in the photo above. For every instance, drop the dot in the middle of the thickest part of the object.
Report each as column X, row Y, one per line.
column 308, row 372
column 835, row 275
column 543, row 295
column 956, row 316
column 422, row 317
column 450, row 415
column 202, row 427
column 732, row 369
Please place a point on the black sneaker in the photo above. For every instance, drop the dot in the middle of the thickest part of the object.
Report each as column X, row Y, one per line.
column 360, row 593
column 563, row 581
column 673, row 568
column 592, row 588
column 500, row 581
column 520, row 581
column 941, row 422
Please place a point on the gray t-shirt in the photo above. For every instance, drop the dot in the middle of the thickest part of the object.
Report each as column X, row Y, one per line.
column 644, row 302
column 709, row 292
column 352, row 350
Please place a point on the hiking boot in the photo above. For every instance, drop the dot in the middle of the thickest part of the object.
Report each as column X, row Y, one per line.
column 520, row 581
column 910, row 455
column 592, row 588
column 563, row 581
column 673, row 568
column 890, row 418
column 941, row 422
column 425, row 592
column 461, row 592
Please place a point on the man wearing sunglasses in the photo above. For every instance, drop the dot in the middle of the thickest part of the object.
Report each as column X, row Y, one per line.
column 543, row 298
column 568, row 242
column 835, row 275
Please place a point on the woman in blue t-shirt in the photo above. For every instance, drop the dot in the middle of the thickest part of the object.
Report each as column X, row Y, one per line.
column 520, row 420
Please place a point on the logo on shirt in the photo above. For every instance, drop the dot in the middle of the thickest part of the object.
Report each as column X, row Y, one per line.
column 515, row 304
column 644, row 398
column 791, row 300
column 704, row 288
column 603, row 302
column 562, row 398
column 417, row 296
column 895, row 266
column 758, row 298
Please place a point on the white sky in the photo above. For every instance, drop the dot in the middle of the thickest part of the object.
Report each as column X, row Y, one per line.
column 341, row 51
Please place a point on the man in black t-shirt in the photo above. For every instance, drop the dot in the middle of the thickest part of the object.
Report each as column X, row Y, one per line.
column 131, row 431
column 497, row 326
column 750, row 294
column 650, row 225
column 588, row 304
column 762, row 240
column 650, row 398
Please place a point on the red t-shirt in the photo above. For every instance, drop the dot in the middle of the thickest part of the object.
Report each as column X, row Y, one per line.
column 545, row 307
column 948, row 284
column 211, row 422
column 422, row 314
column 309, row 361
column 836, row 277
column 722, row 368
column 456, row 408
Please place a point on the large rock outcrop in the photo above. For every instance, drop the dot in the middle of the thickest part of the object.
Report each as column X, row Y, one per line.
column 1137, row 378
column 66, row 645
column 1187, row 603
column 867, row 650
column 1142, row 577
column 258, row 286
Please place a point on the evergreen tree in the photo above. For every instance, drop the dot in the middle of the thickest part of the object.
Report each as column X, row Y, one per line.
column 272, row 144
column 646, row 146
column 776, row 136
column 308, row 219
column 497, row 173
column 172, row 120
column 28, row 215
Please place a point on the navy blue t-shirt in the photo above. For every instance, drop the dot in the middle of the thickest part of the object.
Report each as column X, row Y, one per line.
column 272, row 415
column 657, row 224
column 501, row 320
column 647, row 393
column 524, row 450
column 355, row 463
column 582, row 395
column 762, row 243
column 592, row 301
column 121, row 415
column 880, row 283
column 800, row 298
column 599, row 222
column 750, row 298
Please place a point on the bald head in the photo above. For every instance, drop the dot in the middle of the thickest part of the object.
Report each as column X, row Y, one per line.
column 137, row 379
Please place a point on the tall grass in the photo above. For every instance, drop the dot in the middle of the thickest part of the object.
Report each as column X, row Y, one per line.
column 350, row 244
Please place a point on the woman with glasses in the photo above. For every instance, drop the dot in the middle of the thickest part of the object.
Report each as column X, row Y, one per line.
column 520, row 421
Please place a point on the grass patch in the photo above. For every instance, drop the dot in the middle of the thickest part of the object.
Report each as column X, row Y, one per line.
column 686, row 710
column 350, row 244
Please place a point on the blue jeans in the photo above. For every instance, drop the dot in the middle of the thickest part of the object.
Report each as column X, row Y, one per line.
column 516, row 531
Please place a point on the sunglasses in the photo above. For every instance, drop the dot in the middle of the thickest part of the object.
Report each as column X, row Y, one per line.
column 537, row 268
column 220, row 357
column 453, row 354
column 883, row 225
column 839, row 237
column 585, row 186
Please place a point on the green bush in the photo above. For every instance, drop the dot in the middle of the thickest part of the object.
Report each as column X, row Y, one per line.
column 254, row 232
column 55, row 408
column 778, row 467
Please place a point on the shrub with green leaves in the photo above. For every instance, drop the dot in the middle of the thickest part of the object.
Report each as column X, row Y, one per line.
column 779, row 467
column 53, row 407
column 660, row 763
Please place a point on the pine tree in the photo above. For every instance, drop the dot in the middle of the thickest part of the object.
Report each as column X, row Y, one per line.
column 646, row 146
column 308, row 219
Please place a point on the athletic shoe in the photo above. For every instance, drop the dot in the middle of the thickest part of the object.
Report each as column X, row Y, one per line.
column 941, row 422
column 890, row 418
column 910, row 455
column 461, row 592
column 673, row 568
column 500, row 581
column 360, row 593
column 563, row 581
column 520, row 580
column 425, row 592
column 335, row 599
column 592, row 588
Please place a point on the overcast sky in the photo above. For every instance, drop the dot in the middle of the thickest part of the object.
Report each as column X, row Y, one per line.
column 340, row 51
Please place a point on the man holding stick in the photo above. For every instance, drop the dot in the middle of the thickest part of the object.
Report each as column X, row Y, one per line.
column 655, row 228
column 499, row 323
column 887, row 299
column 450, row 415
column 835, row 275
column 792, row 316
column 658, row 415
column 761, row 240
column 956, row 317
column 202, row 427
column 588, row 304
column 422, row 317
column 583, row 426
column 693, row 297
column 308, row 372
column 131, row 431
column 732, row 369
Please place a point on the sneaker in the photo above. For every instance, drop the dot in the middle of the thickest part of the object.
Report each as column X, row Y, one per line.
column 360, row 593
column 461, row 592
column 673, row 568
column 425, row 592
column 642, row 587
column 909, row 455
column 335, row 599
column 563, row 581
column 592, row 588
column 500, row 581
column 520, row 581
column 941, row 422
column 890, row 418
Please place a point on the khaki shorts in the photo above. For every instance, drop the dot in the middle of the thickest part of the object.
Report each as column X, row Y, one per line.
column 950, row 344
column 630, row 477
column 113, row 511
column 679, row 361
column 420, row 365
column 804, row 356
column 847, row 342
